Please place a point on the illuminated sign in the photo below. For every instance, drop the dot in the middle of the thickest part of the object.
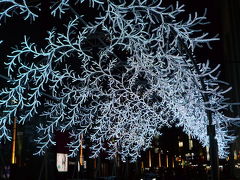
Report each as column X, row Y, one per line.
column 62, row 162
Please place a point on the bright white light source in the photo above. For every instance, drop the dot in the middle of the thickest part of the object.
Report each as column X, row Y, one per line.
column 62, row 162
column 180, row 144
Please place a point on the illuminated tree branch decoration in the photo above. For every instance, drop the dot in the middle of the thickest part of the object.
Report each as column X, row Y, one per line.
column 122, row 92
column 10, row 7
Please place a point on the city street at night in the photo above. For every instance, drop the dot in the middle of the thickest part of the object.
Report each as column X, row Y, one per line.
column 119, row 90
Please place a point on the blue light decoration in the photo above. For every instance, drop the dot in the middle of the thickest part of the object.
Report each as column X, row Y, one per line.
column 9, row 8
column 119, row 100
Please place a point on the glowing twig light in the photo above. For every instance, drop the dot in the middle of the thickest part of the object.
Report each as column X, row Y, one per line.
column 119, row 102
